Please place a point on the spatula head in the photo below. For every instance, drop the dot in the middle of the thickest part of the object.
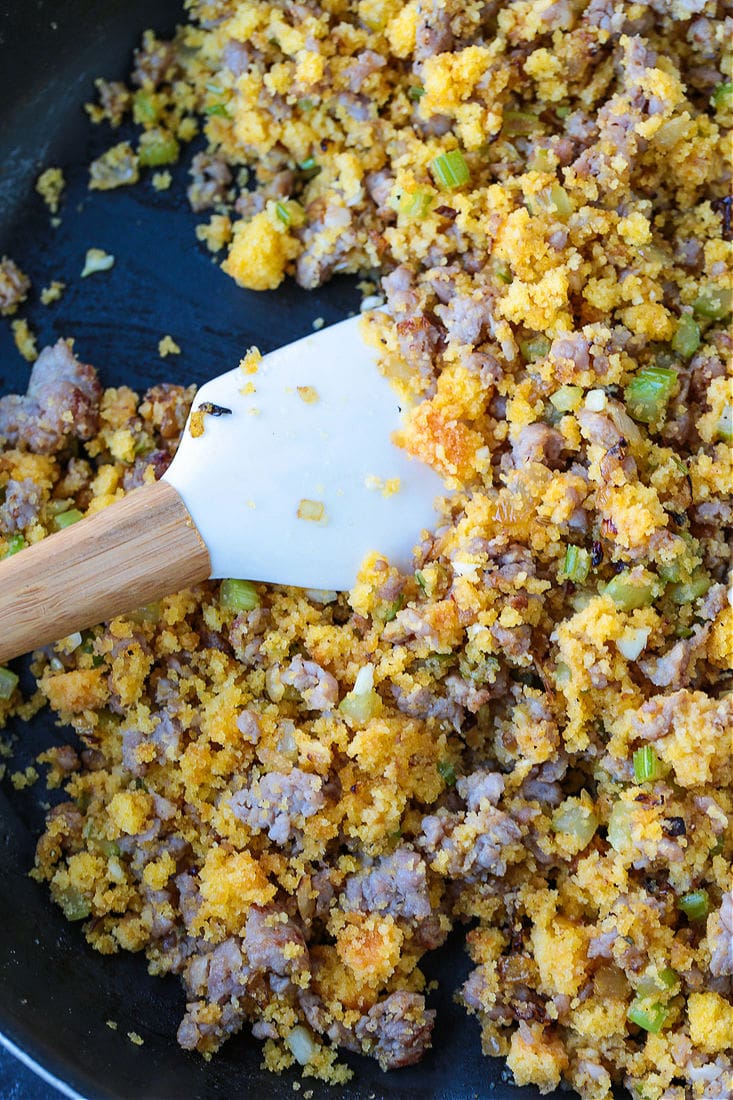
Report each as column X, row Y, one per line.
column 299, row 479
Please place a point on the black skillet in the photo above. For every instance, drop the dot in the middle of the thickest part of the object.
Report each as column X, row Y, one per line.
column 56, row 994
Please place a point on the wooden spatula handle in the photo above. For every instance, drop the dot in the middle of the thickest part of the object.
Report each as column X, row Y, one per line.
column 144, row 547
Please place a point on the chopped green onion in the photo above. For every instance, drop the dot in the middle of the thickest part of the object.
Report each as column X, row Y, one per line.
column 722, row 97
column 535, row 348
column 309, row 168
column 415, row 92
column 648, row 393
column 646, row 765
column 282, row 212
column 65, row 519
column 8, row 683
column 552, row 200
column 689, row 591
column 306, row 104
column 447, row 772
column 416, row 205
column 217, row 110
column 157, row 147
column 520, row 122
column 215, row 89
column 650, row 1017
column 419, row 577
column 629, row 592
column 450, row 170
column 695, row 905
column 714, row 302
column 562, row 112
column 686, row 339
column 566, row 399
column 502, row 271
column 144, row 107
column 576, row 566
column 394, row 608
column 724, row 430
column 238, row 595
column 15, row 543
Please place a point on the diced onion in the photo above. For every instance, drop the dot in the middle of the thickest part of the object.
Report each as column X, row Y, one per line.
column 301, row 1045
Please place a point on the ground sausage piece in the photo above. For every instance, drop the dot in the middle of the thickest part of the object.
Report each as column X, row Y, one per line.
column 14, row 286
column 433, row 33
column 466, row 844
column 319, row 688
column 396, row 884
column 266, row 937
column 135, row 476
column 62, row 400
column 397, row 1031
column 274, row 800
column 22, row 505
column 154, row 62
column 538, row 443
column 211, row 177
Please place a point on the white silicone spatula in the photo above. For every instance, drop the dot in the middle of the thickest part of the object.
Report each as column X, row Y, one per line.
column 289, row 482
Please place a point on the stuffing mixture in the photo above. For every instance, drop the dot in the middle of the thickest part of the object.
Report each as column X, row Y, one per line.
column 288, row 797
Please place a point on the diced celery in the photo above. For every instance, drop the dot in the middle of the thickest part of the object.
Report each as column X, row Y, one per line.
column 619, row 826
column 573, row 818
column 73, row 903
column 501, row 270
column 541, row 161
column 576, row 566
column 686, row 339
column 646, row 765
column 14, row 545
column 393, row 608
column 689, row 591
column 695, row 905
column 361, row 707
column 215, row 110
column 657, row 983
column 157, row 147
column 714, row 303
column 416, row 204
column 724, row 429
column 415, row 92
column 238, row 595
column 520, row 122
column 144, row 107
column 552, row 200
column 450, row 170
column 648, row 393
column 447, row 772
column 566, row 399
column 722, row 97
column 535, row 348
column 8, row 683
column 630, row 592
column 651, row 1016
column 65, row 519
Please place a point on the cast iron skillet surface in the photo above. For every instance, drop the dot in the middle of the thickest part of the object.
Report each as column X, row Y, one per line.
column 56, row 994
